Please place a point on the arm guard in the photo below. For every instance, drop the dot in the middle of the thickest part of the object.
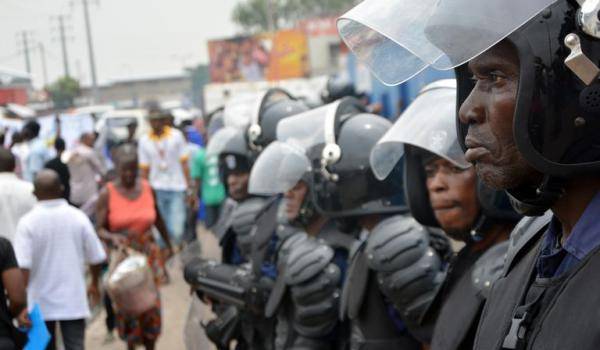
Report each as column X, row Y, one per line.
column 314, row 285
column 243, row 220
column 409, row 271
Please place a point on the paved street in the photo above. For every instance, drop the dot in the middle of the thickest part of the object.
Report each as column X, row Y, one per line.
column 176, row 304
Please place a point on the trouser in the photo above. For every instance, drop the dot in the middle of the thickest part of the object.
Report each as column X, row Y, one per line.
column 171, row 205
column 212, row 215
column 73, row 334
column 7, row 343
column 189, row 234
column 110, row 314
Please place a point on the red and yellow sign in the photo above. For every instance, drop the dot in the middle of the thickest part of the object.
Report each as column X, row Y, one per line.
column 277, row 56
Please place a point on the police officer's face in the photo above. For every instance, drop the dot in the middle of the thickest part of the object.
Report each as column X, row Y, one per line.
column 237, row 184
column 489, row 111
column 453, row 197
column 294, row 199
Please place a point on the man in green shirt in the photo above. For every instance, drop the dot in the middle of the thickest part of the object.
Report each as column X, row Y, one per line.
column 205, row 173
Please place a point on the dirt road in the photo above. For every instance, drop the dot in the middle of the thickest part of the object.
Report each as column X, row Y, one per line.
column 176, row 304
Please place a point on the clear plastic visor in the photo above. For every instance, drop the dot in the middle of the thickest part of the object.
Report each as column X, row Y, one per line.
column 399, row 38
column 428, row 123
column 278, row 169
column 220, row 140
column 306, row 129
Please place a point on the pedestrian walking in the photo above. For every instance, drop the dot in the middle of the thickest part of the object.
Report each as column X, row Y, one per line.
column 13, row 303
column 60, row 167
column 53, row 244
column 86, row 169
column 16, row 195
column 163, row 160
column 35, row 152
column 126, row 212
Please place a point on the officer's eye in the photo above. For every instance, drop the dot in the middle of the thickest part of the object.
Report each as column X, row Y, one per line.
column 496, row 77
column 456, row 170
column 430, row 171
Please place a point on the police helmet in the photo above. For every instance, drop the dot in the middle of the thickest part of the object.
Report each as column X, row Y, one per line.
column 336, row 88
column 342, row 182
column 275, row 105
column 555, row 124
column 427, row 129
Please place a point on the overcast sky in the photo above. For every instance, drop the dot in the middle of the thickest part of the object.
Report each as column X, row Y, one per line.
column 132, row 38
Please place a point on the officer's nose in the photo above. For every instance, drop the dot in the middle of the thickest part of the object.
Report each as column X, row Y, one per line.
column 472, row 110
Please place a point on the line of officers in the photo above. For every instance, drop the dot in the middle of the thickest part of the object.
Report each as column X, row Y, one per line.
column 337, row 232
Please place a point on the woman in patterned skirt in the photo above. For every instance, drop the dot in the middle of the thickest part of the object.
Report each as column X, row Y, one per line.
column 126, row 212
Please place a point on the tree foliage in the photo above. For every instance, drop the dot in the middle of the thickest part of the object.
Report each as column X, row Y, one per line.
column 63, row 92
column 253, row 15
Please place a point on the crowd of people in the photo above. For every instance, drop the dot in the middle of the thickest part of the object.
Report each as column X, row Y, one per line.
column 67, row 214
column 467, row 223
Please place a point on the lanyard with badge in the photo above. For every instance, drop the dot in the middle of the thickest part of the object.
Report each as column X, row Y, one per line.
column 161, row 149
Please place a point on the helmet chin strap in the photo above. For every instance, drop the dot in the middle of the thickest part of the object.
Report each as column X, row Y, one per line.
column 476, row 234
column 305, row 215
column 529, row 202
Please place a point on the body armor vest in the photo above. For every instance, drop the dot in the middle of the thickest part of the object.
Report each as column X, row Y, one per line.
column 459, row 306
column 364, row 305
column 525, row 312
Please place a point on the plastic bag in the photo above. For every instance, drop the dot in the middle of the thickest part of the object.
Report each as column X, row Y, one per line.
column 131, row 285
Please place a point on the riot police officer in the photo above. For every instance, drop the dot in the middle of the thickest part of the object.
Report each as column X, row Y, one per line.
column 344, row 188
column 312, row 252
column 246, row 230
column 443, row 191
column 529, row 122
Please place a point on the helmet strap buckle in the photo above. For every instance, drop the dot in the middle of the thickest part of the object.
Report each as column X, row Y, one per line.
column 578, row 62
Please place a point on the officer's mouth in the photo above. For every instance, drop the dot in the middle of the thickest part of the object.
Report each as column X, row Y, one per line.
column 475, row 150
column 444, row 206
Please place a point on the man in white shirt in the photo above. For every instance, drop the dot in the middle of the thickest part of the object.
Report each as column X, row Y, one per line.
column 53, row 245
column 85, row 168
column 16, row 196
column 37, row 151
column 163, row 158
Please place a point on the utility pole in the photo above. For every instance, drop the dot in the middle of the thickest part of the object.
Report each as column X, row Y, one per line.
column 44, row 67
column 270, row 21
column 88, row 30
column 25, row 41
column 63, row 44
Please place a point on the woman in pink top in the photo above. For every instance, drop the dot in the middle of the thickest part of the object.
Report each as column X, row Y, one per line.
column 125, row 213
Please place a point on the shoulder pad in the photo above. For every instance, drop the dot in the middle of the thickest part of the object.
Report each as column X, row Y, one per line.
column 288, row 244
column 316, row 303
column 488, row 268
column 244, row 215
column 306, row 260
column 280, row 285
column 225, row 218
column 526, row 230
column 396, row 243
